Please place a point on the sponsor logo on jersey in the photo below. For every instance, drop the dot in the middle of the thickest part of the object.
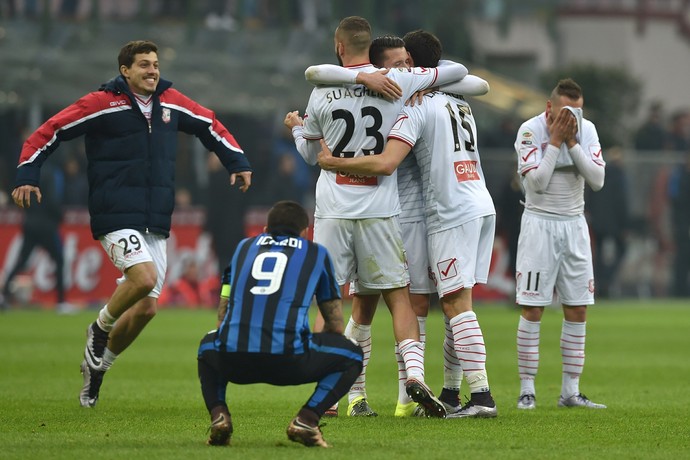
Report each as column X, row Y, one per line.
column 595, row 150
column 526, row 142
column 447, row 269
column 526, row 134
column 116, row 103
column 529, row 154
column 344, row 178
column 466, row 170
column 166, row 115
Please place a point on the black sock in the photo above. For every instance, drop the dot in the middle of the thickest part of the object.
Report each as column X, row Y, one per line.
column 308, row 416
column 482, row 399
column 450, row 397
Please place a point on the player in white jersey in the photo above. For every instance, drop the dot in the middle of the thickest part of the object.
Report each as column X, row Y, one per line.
column 387, row 52
column 557, row 152
column 356, row 217
column 459, row 211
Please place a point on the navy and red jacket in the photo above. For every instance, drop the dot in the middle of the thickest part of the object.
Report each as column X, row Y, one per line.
column 131, row 164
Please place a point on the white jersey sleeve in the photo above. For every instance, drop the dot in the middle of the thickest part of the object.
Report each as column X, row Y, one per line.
column 550, row 188
column 308, row 150
column 329, row 74
column 471, row 85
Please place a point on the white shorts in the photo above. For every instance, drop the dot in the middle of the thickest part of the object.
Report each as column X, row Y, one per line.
column 460, row 257
column 127, row 247
column 369, row 252
column 554, row 252
column 414, row 240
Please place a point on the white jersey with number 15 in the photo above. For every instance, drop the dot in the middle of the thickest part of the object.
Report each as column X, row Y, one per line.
column 443, row 133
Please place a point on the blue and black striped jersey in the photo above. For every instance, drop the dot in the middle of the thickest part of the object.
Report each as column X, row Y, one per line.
column 274, row 280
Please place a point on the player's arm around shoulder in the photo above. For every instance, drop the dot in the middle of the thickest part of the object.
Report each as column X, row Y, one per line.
column 383, row 164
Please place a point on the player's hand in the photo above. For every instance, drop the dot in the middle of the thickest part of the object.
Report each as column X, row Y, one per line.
column 293, row 119
column 244, row 178
column 326, row 159
column 418, row 97
column 380, row 83
column 563, row 127
column 22, row 195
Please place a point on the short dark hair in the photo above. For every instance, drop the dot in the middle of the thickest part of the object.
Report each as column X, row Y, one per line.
column 287, row 217
column 424, row 47
column 381, row 44
column 568, row 88
column 131, row 49
column 356, row 32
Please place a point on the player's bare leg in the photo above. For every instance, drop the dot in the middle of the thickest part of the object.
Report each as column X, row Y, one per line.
column 116, row 327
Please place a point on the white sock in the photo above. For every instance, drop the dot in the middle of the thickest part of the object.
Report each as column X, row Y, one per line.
column 471, row 351
column 105, row 319
column 362, row 335
column 528, row 354
column 452, row 370
column 573, row 355
column 412, row 353
column 403, row 397
column 108, row 359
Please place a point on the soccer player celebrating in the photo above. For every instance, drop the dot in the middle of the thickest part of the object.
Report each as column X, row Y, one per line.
column 557, row 152
column 130, row 127
column 459, row 211
column 356, row 216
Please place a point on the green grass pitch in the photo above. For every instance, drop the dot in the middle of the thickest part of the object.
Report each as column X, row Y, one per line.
column 151, row 407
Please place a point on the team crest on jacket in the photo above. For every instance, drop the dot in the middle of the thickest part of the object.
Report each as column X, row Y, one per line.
column 166, row 115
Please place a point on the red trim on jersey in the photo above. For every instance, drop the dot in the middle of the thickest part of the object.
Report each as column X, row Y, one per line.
column 366, row 64
column 435, row 77
column 142, row 101
column 528, row 170
column 401, row 140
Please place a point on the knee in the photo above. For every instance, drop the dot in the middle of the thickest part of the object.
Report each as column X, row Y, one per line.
column 144, row 281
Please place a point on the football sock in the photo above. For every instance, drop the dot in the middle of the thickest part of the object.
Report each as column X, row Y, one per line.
column 362, row 335
column 452, row 370
column 573, row 356
column 308, row 416
column 403, row 397
column 450, row 396
column 470, row 349
column 412, row 353
column 528, row 354
column 108, row 359
column 105, row 319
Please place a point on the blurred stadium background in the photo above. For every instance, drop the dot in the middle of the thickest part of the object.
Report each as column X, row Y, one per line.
column 245, row 59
